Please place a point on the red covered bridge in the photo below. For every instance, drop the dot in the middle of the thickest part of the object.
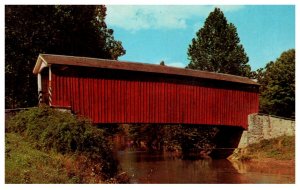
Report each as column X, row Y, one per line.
column 110, row 91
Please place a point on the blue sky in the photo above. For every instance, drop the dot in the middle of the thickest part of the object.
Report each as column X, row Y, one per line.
column 154, row 33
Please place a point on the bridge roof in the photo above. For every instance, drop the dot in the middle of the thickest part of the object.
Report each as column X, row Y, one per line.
column 49, row 59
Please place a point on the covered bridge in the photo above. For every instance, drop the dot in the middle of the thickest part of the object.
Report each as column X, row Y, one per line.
column 109, row 91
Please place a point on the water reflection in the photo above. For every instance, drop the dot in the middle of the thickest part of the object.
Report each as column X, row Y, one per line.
column 143, row 167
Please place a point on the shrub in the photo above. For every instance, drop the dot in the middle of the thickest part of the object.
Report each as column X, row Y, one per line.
column 50, row 129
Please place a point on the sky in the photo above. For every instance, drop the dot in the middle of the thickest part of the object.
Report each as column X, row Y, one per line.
column 155, row 33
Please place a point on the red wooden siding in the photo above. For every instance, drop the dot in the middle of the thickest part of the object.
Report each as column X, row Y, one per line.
column 122, row 100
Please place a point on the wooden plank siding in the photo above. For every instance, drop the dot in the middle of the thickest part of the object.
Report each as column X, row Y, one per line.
column 108, row 91
column 117, row 96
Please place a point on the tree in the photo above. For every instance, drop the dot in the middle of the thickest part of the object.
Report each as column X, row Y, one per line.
column 162, row 63
column 67, row 30
column 217, row 47
column 277, row 89
column 151, row 134
column 190, row 139
column 184, row 138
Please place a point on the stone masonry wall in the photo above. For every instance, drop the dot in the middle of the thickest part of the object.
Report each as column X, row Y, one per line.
column 262, row 127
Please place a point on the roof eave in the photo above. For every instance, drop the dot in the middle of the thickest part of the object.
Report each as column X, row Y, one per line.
column 45, row 60
column 37, row 68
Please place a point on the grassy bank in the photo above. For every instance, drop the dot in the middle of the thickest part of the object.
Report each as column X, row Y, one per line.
column 281, row 148
column 26, row 164
column 43, row 145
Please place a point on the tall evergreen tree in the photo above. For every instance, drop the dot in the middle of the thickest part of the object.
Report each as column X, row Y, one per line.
column 67, row 30
column 217, row 47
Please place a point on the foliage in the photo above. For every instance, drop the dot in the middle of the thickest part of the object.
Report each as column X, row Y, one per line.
column 277, row 89
column 280, row 148
column 217, row 47
column 111, row 129
column 62, row 29
column 184, row 138
column 151, row 134
column 61, row 132
column 26, row 164
column 189, row 138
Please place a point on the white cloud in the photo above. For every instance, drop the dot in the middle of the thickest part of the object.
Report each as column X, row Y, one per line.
column 134, row 18
column 176, row 64
column 171, row 63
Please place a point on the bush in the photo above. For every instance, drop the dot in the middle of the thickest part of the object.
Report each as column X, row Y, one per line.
column 50, row 129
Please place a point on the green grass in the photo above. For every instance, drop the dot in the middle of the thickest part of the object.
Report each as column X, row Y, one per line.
column 281, row 148
column 44, row 145
column 26, row 164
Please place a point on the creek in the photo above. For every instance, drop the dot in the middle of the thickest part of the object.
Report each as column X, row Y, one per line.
column 153, row 168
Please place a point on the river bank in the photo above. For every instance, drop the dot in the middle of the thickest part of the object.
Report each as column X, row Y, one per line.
column 281, row 149
column 269, row 162
column 24, row 163
column 44, row 145
column 274, row 156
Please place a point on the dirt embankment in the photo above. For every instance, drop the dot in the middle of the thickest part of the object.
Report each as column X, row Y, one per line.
column 280, row 150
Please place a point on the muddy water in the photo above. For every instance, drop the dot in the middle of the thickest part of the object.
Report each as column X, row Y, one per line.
column 143, row 167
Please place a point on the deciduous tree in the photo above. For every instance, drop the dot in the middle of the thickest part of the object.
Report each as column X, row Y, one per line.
column 67, row 30
column 277, row 89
